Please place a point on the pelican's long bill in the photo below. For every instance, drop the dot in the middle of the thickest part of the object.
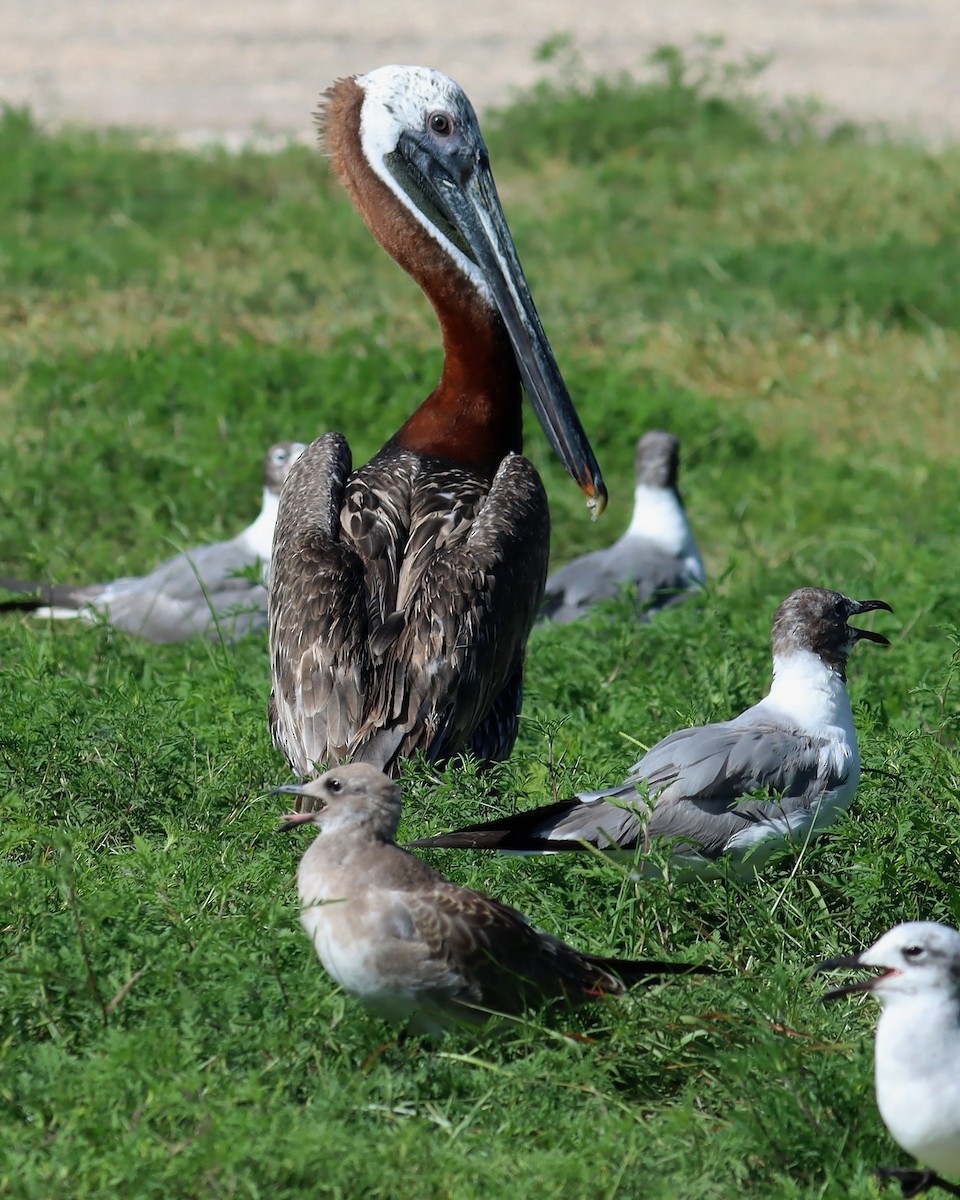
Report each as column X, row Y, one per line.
column 451, row 183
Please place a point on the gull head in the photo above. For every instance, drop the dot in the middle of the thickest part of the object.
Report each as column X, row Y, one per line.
column 909, row 960
column 658, row 459
column 817, row 620
column 354, row 797
column 276, row 466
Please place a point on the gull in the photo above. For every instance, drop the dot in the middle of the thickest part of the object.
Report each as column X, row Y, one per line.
column 217, row 590
column 697, row 788
column 917, row 1055
column 657, row 556
column 413, row 947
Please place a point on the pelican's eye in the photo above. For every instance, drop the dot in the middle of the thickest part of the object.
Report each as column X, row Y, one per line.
column 440, row 123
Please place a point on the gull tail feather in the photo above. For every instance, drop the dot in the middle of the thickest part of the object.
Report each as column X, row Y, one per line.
column 32, row 595
column 632, row 971
column 520, row 833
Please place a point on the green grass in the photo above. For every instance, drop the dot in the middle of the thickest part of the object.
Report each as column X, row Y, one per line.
column 786, row 302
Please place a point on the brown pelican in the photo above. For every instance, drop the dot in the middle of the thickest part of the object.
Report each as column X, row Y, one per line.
column 216, row 591
column 403, row 593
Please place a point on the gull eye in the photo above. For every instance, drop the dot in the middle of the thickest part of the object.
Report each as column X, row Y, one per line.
column 334, row 785
column 440, row 123
column 914, row 953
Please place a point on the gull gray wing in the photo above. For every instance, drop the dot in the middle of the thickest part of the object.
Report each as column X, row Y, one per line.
column 662, row 580
column 319, row 657
column 575, row 588
column 191, row 573
column 730, row 757
column 228, row 613
column 658, row 579
column 215, row 590
column 699, row 782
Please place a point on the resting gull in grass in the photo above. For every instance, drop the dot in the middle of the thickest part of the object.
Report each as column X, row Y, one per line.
column 917, row 1056
column 413, row 947
column 697, row 789
column 217, row 591
column 657, row 556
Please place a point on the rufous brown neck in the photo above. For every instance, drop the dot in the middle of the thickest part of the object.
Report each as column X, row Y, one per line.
column 474, row 415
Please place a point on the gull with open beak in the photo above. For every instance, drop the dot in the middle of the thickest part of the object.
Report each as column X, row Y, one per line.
column 413, row 947
column 916, row 978
column 695, row 792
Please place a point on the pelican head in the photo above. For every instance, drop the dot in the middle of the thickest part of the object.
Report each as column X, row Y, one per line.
column 419, row 135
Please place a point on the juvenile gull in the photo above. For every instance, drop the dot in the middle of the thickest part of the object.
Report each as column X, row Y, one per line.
column 213, row 590
column 413, row 947
column 917, row 1054
column 697, row 787
column 657, row 556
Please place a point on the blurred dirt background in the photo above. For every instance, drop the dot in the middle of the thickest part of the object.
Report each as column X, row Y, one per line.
column 223, row 69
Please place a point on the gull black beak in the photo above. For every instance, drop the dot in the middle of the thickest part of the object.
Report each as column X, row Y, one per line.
column 850, row 963
column 869, row 635
column 457, row 185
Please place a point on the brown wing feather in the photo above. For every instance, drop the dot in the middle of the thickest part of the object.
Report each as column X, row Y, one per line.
column 375, row 524
column 318, row 617
column 495, row 959
column 402, row 597
column 468, row 589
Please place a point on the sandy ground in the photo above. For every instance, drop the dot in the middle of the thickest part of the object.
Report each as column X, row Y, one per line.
column 229, row 67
